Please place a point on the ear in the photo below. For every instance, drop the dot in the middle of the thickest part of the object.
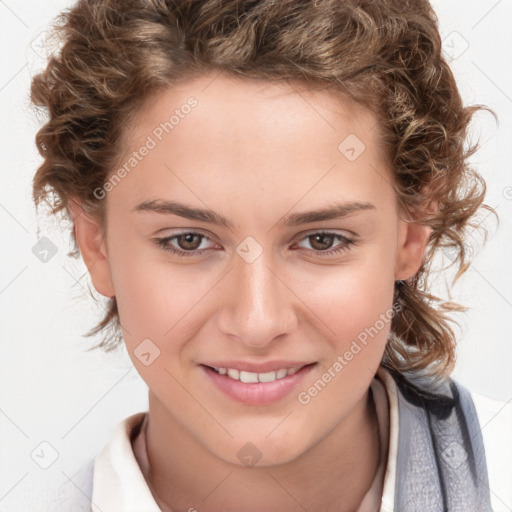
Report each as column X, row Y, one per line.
column 412, row 242
column 90, row 239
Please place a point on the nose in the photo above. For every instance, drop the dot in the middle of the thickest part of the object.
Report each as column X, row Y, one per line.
column 258, row 306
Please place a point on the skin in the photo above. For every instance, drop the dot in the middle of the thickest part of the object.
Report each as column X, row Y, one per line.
column 255, row 151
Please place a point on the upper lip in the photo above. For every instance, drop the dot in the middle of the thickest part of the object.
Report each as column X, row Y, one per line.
column 268, row 366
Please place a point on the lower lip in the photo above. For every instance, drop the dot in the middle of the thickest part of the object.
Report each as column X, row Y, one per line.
column 260, row 393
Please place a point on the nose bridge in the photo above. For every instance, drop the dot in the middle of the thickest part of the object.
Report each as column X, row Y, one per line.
column 260, row 306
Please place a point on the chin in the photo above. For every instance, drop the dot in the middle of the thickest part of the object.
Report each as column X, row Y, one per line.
column 260, row 450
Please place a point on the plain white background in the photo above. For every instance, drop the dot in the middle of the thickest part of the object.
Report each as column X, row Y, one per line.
column 54, row 392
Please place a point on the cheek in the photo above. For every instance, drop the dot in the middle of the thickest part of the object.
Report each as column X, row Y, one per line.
column 157, row 305
column 349, row 299
column 355, row 306
column 151, row 295
column 154, row 301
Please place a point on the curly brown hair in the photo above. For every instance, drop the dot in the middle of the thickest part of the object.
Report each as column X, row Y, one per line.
column 384, row 54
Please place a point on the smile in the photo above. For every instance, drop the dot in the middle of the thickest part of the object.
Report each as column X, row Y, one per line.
column 251, row 377
column 256, row 388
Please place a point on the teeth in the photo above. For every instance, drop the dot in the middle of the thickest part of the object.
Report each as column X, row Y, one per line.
column 280, row 374
column 234, row 374
column 266, row 377
column 250, row 377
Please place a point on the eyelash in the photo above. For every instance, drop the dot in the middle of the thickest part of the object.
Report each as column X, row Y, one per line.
column 164, row 243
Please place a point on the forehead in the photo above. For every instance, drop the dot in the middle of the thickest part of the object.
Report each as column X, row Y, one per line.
column 256, row 137
column 270, row 110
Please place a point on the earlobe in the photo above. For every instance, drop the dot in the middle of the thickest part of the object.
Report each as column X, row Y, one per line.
column 89, row 236
column 412, row 243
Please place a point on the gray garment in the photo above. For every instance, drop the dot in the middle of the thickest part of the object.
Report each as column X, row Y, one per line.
column 441, row 463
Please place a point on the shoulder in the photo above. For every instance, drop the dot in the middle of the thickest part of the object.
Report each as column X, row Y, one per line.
column 486, row 423
column 101, row 477
column 495, row 419
column 75, row 494
column 494, row 422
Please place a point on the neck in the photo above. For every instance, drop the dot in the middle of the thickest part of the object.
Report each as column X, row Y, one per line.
column 183, row 475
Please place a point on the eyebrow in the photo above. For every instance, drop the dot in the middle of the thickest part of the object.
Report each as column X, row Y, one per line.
column 334, row 211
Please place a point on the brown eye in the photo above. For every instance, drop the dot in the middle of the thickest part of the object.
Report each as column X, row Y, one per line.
column 189, row 241
column 321, row 241
column 183, row 244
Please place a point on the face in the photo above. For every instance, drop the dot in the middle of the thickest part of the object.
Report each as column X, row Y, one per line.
column 276, row 284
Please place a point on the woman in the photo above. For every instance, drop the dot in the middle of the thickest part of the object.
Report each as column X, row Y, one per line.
column 259, row 189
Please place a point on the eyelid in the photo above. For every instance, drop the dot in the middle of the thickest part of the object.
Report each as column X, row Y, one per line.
column 346, row 241
column 176, row 234
column 349, row 235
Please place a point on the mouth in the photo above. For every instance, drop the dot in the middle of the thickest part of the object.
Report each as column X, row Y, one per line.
column 255, row 377
column 257, row 388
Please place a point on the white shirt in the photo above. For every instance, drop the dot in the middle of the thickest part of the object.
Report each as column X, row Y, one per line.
column 119, row 486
